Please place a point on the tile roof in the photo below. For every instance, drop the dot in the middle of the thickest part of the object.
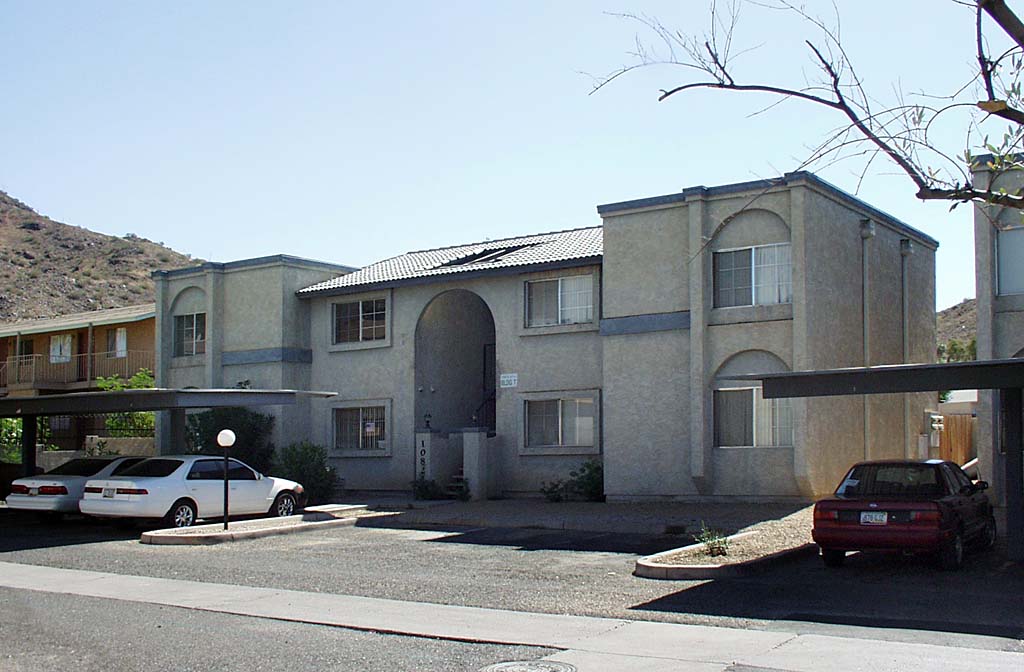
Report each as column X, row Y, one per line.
column 491, row 255
column 80, row 320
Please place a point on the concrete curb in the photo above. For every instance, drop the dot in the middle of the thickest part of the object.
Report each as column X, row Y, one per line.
column 262, row 527
column 648, row 568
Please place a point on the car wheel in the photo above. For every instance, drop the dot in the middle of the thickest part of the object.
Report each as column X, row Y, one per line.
column 833, row 558
column 951, row 556
column 987, row 538
column 284, row 505
column 182, row 514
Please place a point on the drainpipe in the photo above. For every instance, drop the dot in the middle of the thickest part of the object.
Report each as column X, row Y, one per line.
column 906, row 249
column 867, row 232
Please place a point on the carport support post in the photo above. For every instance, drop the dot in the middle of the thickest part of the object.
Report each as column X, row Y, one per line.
column 1014, row 480
column 29, row 425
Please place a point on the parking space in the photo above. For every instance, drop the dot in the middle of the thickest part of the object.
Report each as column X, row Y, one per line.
column 552, row 571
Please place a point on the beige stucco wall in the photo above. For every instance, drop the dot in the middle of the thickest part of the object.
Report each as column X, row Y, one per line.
column 1000, row 319
column 252, row 315
column 834, row 335
column 552, row 359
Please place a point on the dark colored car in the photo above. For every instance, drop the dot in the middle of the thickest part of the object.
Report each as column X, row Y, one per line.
column 904, row 506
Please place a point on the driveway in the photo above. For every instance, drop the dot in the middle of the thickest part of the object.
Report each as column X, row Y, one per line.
column 564, row 572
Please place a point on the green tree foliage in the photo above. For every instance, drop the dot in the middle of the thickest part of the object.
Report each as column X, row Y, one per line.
column 137, row 423
column 306, row 463
column 955, row 351
column 10, row 438
column 252, row 435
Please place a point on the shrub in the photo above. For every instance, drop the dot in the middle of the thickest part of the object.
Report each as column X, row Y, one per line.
column 715, row 542
column 252, row 435
column 131, row 423
column 586, row 483
column 423, row 488
column 554, row 491
column 10, row 438
column 306, row 463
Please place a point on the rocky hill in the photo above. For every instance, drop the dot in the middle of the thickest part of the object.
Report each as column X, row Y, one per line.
column 48, row 268
column 959, row 322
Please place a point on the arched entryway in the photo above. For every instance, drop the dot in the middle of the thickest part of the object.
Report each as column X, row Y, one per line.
column 455, row 372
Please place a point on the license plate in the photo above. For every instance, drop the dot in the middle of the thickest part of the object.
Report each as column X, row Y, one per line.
column 873, row 517
column 108, row 493
column 32, row 492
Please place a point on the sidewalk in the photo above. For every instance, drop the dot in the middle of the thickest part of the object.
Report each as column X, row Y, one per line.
column 591, row 644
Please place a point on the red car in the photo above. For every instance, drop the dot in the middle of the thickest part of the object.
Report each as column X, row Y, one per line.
column 904, row 506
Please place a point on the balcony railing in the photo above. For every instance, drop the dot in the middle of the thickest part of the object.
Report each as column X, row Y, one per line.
column 40, row 370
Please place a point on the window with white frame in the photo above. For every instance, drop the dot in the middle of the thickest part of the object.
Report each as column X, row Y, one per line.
column 60, row 349
column 560, row 422
column 189, row 334
column 743, row 418
column 117, row 343
column 753, row 276
column 358, row 321
column 1010, row 258
column 568, row 300
column 361, row 428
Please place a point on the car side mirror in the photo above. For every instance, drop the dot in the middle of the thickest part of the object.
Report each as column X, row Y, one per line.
column 259, row 476
column 981, row 485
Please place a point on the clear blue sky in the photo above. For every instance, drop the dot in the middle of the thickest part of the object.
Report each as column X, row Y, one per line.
column 353, row 131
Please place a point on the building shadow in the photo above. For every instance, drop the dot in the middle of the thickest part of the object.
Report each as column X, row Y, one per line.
column 881, row 591
column 21, row 531
column 534, row 539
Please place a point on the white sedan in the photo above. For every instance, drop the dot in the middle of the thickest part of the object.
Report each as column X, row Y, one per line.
column 184, row 488
column 58, row 490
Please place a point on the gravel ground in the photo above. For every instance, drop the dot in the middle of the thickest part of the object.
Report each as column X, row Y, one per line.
column 761, row 539
column 550, row 571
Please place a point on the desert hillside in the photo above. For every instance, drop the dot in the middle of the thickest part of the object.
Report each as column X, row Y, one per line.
column 48, row 268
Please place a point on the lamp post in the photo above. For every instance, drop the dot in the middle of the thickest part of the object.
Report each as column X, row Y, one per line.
column 225, row 439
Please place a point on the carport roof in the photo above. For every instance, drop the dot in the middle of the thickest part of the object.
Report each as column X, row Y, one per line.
column 980, row 375
column 83, row 403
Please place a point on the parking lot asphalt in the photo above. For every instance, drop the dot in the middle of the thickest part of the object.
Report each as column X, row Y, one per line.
column 564, row 572
column 43, row 633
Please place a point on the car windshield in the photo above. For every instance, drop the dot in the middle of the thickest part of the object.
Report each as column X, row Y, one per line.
column 892, row 480
column 82, row 467
column 153, row 467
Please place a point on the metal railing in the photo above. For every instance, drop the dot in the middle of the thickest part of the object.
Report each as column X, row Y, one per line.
column 37, row 370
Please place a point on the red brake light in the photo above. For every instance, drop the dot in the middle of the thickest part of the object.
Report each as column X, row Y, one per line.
column 931, row 516
column 132, row 491
column 825, row 514
column 94, row 490
column 19, row 489
column 53, row 490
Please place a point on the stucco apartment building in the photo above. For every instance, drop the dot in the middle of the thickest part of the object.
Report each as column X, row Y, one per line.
column 515, row 360
column 999, row 283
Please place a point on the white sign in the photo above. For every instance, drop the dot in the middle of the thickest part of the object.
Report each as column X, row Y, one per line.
column 510, row 380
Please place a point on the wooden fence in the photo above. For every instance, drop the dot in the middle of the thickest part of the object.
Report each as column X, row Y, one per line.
column 956, row 442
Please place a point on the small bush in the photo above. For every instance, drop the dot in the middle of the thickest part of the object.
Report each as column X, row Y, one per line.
column 715, row 542
column 306, row 463
column 555, row 491
column 585, row 483
column 423, row 488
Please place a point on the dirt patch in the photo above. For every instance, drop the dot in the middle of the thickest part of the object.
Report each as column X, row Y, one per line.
column 757, row 541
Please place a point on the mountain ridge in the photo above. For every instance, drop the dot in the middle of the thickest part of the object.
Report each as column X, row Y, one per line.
column 48, row 268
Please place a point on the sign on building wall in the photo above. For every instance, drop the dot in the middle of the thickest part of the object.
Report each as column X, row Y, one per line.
column 509, row 380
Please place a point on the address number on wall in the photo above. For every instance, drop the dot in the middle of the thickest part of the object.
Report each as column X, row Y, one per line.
column 509, row 380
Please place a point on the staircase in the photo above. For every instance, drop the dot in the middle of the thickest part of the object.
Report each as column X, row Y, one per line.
column 458, row 486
